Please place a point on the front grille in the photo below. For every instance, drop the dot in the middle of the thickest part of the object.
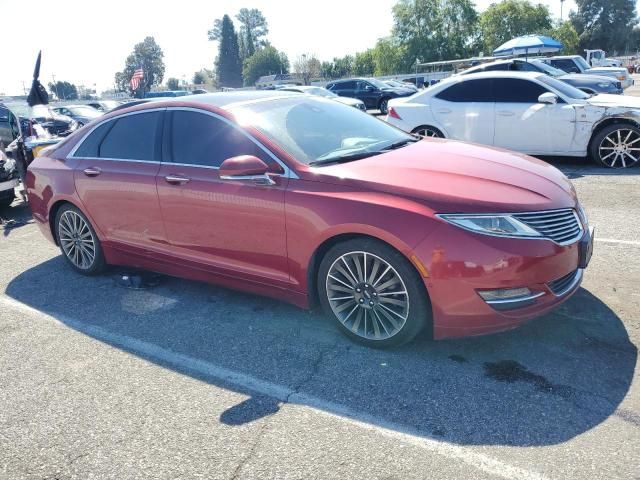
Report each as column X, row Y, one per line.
column 561, row 226
column 563, row 284
column 619, row 85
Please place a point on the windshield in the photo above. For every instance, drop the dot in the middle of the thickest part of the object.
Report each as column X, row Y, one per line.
column 377, row 83
column 548, row 69
column 583, row 63
column 85, row 111
column 564, row 88
column 313, row 129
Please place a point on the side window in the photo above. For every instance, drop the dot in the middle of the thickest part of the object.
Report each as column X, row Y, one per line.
column 200, row 139
column 89, row 147
column 566, row 65
column 133, row 137
column 524, row 67
column 331, row 86
column 469, row 91
column 350, row 85
column 515, row 90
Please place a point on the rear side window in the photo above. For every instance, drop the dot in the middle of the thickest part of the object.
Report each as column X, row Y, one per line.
column 132, row 137
column 515, row 90
column 469, row 91
column 200, row 139
column 91, row 144
column 566, row 65
column 350, row 85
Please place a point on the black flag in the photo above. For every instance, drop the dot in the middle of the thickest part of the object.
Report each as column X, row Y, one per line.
column 38, row 95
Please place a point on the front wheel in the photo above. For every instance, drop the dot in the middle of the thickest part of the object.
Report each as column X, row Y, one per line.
column 78, row 241
column 425, row 131
column 373, row 293
column 617, row 146
column 384, row 106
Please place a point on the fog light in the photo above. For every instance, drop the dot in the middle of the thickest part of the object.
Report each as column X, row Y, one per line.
column 504, row 294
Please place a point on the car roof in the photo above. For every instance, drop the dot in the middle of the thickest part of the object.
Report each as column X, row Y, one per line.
column 560, row 57
column 227, row 100
column 501, row 74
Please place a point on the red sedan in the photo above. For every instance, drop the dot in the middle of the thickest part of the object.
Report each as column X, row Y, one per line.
column 306, row 200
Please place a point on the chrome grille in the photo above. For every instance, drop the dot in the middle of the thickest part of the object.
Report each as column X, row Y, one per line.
column 561, row 226
column 562, row 285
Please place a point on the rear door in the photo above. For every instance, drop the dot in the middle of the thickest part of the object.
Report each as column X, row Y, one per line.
column 367, row 93
column 345, row 89
column 237, row 227
column 466, row 110
column 525, row 125
column 116, row 180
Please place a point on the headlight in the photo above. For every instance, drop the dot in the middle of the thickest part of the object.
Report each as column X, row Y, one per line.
column 621, row 78
column 73, row 125
column 496, row 225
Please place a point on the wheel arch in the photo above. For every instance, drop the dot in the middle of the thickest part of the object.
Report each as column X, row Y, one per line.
column 322, row 249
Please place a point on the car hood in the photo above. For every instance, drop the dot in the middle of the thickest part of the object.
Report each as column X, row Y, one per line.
column 625, row 101
column 458, row 177
column 586, row 78
column 616, row 70
column 347, row 100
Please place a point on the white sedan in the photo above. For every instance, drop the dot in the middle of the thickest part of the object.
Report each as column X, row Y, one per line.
column 528, row 112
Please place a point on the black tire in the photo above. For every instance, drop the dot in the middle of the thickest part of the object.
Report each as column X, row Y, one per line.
column 98, row 263
column 425, row 131
column 607, row 152
column 416, row 302
column 6, row 198
column 383, row 106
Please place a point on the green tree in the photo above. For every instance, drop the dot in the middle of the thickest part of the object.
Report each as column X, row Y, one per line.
column 199, row 78
column 173, row 83
column 343, row 67
column 364, row 63
column 512, row 18
column 434, row 29
column 228, row 64
column 148, row 55
column 120, row 82
column 606, row 24
column 565, row 33
column 64, row 90
column 266, row 61
column 388, row 57
column 252, row 32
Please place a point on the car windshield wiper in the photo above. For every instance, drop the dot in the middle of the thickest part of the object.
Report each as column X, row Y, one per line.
column 401, row 143
column 349, row 157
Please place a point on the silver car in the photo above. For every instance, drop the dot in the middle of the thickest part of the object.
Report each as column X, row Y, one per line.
column 323, row 92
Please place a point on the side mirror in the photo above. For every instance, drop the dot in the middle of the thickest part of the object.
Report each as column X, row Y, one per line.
column 247, row 168
column 548, row 98
column 368, row 88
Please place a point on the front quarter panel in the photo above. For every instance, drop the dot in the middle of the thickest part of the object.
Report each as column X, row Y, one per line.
column 317, row 212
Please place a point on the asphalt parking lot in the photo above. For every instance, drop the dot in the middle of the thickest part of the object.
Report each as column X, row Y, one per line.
column 189, row 380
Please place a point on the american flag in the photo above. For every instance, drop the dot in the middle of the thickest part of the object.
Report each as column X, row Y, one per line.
column 136, row 77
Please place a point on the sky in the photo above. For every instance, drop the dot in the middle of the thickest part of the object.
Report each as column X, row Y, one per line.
column 86, row 42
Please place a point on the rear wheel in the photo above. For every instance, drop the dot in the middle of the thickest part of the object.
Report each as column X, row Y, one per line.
column 384, row 106
column 373, row 293
column 78, row 241
column 427, row 131
column 617, row 146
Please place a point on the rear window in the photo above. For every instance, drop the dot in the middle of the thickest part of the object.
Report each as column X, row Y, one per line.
column 133, row 137
column 468, row 91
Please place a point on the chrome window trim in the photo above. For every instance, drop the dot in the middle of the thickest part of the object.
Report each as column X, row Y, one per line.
column 518, row 237
column 288, row 172
column 72, row 153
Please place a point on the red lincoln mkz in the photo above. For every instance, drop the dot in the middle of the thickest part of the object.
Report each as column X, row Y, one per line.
column 307, row 200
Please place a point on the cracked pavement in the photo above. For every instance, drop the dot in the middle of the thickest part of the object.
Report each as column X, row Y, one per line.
column 188, row 380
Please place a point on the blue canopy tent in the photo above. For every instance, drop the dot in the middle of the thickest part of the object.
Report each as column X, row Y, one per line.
column 528, row 44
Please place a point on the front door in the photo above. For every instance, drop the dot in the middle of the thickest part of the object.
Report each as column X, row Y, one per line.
column 237, row 227
column 115, row 178
column 526, row 125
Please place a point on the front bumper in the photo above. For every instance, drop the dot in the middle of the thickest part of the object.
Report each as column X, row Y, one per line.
column 461, row 264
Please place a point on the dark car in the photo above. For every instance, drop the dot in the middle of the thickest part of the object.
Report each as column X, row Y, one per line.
column 104, row 105
column 374, row 93
column 587, row 83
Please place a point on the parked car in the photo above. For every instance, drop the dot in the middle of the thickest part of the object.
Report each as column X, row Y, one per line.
column 397, row 84
column 323, row 92
column 52, row 121
column 527, row 112
column 587, row 83
column 310, row 201
column 577, row 64
column 374, row 93
column 9, row 179
column 167, row 93
column 9, row 125
column 104, row 105
column 82, row 114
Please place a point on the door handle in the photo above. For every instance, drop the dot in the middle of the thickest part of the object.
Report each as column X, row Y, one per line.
column 444, row 110
column 506, row 113
column 176, row 179
column 92, row 171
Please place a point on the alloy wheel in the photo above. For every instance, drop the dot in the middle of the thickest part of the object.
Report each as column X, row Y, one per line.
column 76, row 240
column 384, row 107
column 367, row 295
column 424, row 132
column 620, row 148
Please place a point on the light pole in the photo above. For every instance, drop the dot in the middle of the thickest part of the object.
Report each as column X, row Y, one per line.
column 561, row 7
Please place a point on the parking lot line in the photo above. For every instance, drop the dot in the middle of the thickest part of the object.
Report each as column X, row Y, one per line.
column 613, row 240
column 286, row 395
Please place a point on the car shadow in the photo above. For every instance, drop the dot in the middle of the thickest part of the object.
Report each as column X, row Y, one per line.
column 545, row 383
column 578, row 167
column 15, row 216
